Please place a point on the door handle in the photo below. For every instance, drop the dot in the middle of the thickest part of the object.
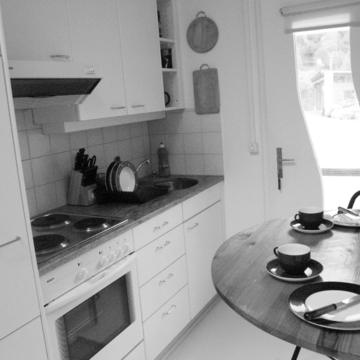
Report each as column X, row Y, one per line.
column 280, row 161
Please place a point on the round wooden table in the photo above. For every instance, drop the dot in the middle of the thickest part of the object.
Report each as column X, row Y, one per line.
column 240, row 278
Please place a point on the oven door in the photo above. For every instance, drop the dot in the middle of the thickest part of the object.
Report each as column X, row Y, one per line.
column 99, row 319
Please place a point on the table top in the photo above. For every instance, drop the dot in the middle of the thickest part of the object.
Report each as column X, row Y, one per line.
column 240, row 278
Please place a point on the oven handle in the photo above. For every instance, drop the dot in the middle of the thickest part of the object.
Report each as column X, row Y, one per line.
column 98, row 281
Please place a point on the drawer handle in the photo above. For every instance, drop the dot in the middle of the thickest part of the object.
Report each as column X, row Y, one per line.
column 173, row 307
column 193, row 227
column 117, row 107
column 60, row 56
column 11, row 241
column 137, row 106
column 161, row 226
column 162, row 246
column 167, row 279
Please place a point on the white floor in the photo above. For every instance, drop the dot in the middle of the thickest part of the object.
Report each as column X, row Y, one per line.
column 223, row 335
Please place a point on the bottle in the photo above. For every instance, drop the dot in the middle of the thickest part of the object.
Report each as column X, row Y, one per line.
column 164, row 168
column 159, row 23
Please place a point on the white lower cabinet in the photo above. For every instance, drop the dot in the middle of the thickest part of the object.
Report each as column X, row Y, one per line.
column 162, row 327
column 203, row 236
column 137, row 354
column 25, row 343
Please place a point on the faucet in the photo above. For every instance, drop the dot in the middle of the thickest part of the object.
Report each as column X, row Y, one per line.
column 147, row 161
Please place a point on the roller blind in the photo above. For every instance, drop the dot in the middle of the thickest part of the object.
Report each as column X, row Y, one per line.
column 321, row 14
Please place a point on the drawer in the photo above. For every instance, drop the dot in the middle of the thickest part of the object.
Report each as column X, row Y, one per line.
column 159, row 254
column 201, row 201
column 162, row 327
column 137, row 354
column 157, row 226
column 162, row 287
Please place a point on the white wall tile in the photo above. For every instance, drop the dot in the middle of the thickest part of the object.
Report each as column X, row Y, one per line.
column 155, row 141
column 28, row 177
column 193, row 143
column 173, row 125
column 146, row 142
column 123, row 132
column 20, row 120
column 125, row 150
column 31, row 200
column 177, row 164
column 39, row 144
column 210, row 122
column 94, row 137
column 137, row 147
column 157, row 127
column 29, row 121
column 191, row 123
column 175, row 143
column 62, row 187
column 42, row 169
column 194, row 164
column 214, row 164
column 59, row 143
column 61, row 165
column 111, row 150
column 78, row 140
column 109, row 134
column 46, row 198
column 24, row 145
column 212, row 143
column 137, row 129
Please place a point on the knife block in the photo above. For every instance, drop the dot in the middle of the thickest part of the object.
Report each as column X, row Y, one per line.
column 79, row 194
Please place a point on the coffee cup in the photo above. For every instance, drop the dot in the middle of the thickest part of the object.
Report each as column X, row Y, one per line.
column 310, row 217
column 293, row 258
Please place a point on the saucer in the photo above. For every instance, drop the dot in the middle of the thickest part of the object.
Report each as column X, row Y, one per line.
column 325, row 226
column 313, row 270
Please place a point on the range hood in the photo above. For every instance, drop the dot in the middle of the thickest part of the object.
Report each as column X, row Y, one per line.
column 37, row 84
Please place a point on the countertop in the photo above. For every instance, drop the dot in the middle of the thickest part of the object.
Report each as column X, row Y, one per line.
column 135, row 213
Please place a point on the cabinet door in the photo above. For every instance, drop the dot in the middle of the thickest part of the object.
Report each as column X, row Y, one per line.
column 141, row 56
column 25, row 343
column 203, row 236
column 95, row 37
column 36, row 29
column 18, row 297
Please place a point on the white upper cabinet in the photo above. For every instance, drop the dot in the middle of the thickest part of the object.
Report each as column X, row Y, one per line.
column 36, row 29
column 95, row 38
column 141, row 56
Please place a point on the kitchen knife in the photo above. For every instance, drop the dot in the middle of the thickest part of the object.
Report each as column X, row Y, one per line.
column 347, row 211
column 310, row 315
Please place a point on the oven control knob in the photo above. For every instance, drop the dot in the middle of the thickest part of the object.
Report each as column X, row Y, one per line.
column 119, row 253
column 111, row 257
column 104, row 261
column 127, row 249
column 83, row 273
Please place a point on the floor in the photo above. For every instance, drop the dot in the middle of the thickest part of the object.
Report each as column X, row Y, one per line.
column 224, row 335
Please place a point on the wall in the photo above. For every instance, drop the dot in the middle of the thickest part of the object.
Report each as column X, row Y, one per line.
column 193, row 142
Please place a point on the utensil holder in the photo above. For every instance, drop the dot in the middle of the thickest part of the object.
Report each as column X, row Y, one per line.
column 79, row 194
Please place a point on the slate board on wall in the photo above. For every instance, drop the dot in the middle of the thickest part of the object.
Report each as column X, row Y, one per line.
column 206, row 91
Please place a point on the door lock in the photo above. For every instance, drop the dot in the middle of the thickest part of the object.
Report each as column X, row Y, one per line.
column 280, row 161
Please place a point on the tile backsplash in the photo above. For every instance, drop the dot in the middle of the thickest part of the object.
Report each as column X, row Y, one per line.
column 193, row 142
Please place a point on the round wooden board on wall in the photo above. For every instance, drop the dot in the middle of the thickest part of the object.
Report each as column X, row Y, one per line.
column 202, row 34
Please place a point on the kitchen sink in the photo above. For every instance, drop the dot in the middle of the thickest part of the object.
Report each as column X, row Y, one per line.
column 176, row 184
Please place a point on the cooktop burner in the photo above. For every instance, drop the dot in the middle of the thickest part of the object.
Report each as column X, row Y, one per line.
column 49, row 243
column 91, row 224
column 57, row 232
column 51, row 221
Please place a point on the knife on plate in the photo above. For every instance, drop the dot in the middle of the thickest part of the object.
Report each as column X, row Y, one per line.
column 310, row 315
column 347, row 211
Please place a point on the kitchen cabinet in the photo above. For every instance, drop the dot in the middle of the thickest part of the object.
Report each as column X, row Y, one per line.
column 141, row 56
column 95, row 38
column 36, row 29
column 18, row 297
column 26, row 343
column 169, row 40
column 137, row 354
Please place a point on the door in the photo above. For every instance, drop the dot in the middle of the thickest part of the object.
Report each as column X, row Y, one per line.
column 283, row 123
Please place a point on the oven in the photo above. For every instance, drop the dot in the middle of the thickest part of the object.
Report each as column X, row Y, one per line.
column 91, row 300
column 99, row 319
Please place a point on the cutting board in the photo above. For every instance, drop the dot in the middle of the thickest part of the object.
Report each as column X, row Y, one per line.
column 206, row 91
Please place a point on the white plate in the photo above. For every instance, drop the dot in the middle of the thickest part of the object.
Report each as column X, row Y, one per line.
column 325, row 226
column 346, row 220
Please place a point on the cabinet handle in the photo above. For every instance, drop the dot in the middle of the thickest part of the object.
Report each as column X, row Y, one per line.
column 161, row 226
column 11, row 241
column 137, row 106
column 167, row 279
column 193, row 227
column 162, row 246
column 173, row 307
column 117, row 107
column 60, row 56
